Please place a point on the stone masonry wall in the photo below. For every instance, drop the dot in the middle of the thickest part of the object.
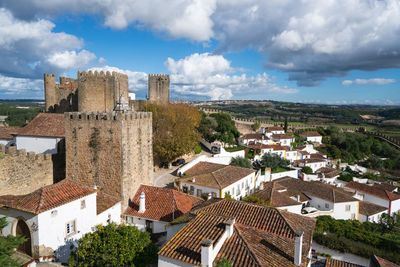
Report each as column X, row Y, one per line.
column 21, row 172
column 158, row 88
column 110, row 150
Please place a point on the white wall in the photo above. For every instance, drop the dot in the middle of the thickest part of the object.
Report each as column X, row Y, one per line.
column 204, row 189
column 320, row 203
column 112, row 214
column 293, row 209
column 140, row 223
column 340, row 213
column 316, row 165
column 372, row 218
column 314, row 139
column 167, row 262
column 395, row 206
column 310, row 177
column 291, row 173
column 6, row 142
column 37, row 144
column 248, row 180
column 57, row 239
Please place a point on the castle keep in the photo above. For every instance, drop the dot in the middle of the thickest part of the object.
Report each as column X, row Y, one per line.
column 158, row 88
column 91, row 92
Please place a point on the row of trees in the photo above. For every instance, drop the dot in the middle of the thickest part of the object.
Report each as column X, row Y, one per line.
column 218, row 126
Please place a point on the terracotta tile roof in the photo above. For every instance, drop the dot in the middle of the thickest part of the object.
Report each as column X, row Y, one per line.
column 215, row 175
column 368, row 209
column 262, row 236
column 105, row 201
column 307, row 161
column 316, row 189
column 317, row 156
column 281, row 136
column 274, row 128
column 380, row 262
column 328, row 172
column 337, row 263
column 257, row 136
column 373, row 190
column 47, row 197
column 162, row 204
column 274, row 147
column 276, row 195
column 311, row 134
column 45, row 125
column 6, row 133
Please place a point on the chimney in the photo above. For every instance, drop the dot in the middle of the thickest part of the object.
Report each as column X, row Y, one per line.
column 207, row 256
column 142, row 203
column 298, row 198
column 229, row 227
column 209, row 196
column 298, row 247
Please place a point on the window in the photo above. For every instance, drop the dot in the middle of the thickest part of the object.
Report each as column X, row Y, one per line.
column 348, row 207
column 199, row 192
column 238, row 190
column 326, row 205
column 54, row 213
column 213, row 194
column 192, row 190
column 242, row 185
column 83, row 204
column 70, row 228
column 185, row 189
column 353, row 216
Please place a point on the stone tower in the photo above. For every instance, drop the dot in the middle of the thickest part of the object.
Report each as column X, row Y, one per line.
column 101, row 91
column 158, row 88
column 111, row 150
column 61, row 97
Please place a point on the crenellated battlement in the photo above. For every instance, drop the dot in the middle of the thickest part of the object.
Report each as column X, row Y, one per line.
column 22, row 153
column 101, row 74
column 116, row 116
column 158, row 75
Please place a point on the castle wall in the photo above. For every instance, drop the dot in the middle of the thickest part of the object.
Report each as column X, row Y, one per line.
column 110, row 150
column 158, row 88
column 60, row 97
column 21, row 172
column 100, row 91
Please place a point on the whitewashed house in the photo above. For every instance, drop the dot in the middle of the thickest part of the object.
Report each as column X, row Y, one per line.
column 7, row 135
column 269, row 131
column 283, row 139
column 218, row 180
column 370, row 212
column 314, row 164
column 54, row 217
column 328, row 175
column 153, row 208
column 253, row 138
column 42, row 134
column 312, row 137
column 384, row 195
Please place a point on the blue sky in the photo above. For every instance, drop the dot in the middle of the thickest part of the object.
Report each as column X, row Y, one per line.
column 317, row 52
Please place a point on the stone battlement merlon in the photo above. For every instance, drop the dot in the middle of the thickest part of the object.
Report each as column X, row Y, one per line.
column 159, row 75
column 12, row 151
column 125, row 115
column 101, row 74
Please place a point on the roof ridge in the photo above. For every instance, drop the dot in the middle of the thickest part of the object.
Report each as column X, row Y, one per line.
column 41, row 199
column 215, row 178
column 246, row 244
column 287, row 223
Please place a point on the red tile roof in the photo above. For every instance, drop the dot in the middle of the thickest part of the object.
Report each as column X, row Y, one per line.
column 274, row 128
column 276, row 195
column 380, row 262
column 257, row 136
column 274, row 147
column 337, row 263
column 262, row 236
column 281, row 136
column 328, row 172
column 45, row 125
column 105, row 201
column 311, row 134
column 162, row 204
column 47, row 197
column 6, row 133
column 368, row 209
column 215, row 175
column 375, row 190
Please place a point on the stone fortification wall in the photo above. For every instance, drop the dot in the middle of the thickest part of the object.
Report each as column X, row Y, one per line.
column 110, row 150
column 158, row 88
column 101, row 91
column 61, row 97
column 22, row 172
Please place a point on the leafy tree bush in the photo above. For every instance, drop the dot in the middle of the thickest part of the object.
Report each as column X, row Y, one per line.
column 256, row 200
column 218, row 126
column 7, row 246
column 255, row 126
column 223, row 263
column 228, row 195
column 174, row 130
column 241, row 162
column 307, row 170
column 116, row 245
column 197, row 149
column 273, row 161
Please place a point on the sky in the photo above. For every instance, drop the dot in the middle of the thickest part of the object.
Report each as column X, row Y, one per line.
column 312, row 51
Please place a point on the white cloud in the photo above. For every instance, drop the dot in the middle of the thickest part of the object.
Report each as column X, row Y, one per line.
column 30, row 48
column 374, row 81
column 212, row 76
column 19, row 86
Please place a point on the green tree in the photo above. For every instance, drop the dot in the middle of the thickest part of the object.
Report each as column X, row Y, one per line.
column 7, row 246
column 241, row 162
column 116, row 245
column 285, row 125
column 223, row 263
column 226, row 130
column 273, row 161
column 307, row 170
column 255, row 126
column 174, row 130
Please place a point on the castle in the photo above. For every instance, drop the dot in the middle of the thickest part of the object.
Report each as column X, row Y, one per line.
column 107, row 143
column 99, row 91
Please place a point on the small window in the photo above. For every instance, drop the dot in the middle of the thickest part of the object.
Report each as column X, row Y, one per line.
column 83, row 204
column 70, row 228
column 54, row 213
column 348, row 207
column 185, row 189
column 199, row 192
column 326, row 205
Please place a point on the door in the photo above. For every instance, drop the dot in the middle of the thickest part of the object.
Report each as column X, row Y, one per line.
column 23, row 230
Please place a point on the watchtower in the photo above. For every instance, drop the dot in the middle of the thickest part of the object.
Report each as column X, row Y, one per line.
column 101, row 91
column 111, row 150
column 61, row 97
column 158, row 88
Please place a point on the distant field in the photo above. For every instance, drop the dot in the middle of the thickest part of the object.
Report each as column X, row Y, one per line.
column 17, row 113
